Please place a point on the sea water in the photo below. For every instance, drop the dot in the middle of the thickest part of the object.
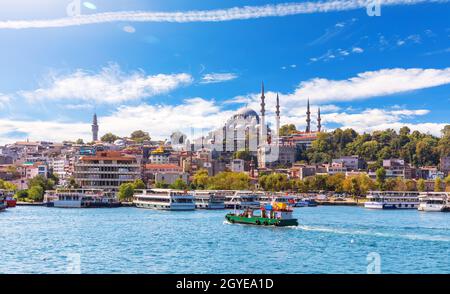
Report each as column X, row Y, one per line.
column 333, row 239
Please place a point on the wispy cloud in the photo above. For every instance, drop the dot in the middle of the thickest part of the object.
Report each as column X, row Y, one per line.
column 235, row 13
column 217, row 78
column 110, row 85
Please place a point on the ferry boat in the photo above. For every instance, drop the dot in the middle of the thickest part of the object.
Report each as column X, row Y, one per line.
column 305, row 203
column 275, row 214
column 434, row 201
column 209, row 200
column 164, row 199
column 243, row 199
column 79, row 198
column 392, row 200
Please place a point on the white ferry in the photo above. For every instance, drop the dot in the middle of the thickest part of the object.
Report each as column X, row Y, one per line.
column 392, row 200
column 79, row 198
column 434, row 201
column 243, row 199
column 209, row 200
column 164, row 199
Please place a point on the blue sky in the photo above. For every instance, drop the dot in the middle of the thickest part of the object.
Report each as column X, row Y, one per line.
column 191, row 75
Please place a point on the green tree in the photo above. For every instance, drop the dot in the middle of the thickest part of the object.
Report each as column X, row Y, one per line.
column 140, row 136
column 229, row 181
column 139, row 184
column 46, row 184
column 438, row 185
column 109, row 138
column 200, row 179
column 126, row 191
column 21, row 195
column 36, row 193
column 286, row 130
column 79, row 142
column 161, row 185
column 421, row 187
column 5, row 185
column 179, row 184
column 380, row 178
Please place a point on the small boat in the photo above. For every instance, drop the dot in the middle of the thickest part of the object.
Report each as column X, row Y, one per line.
column 276, row 214
column 305, row 203
column 8, row 198
column 10, row 202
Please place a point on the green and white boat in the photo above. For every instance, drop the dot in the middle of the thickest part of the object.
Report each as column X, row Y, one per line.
column 275, row 214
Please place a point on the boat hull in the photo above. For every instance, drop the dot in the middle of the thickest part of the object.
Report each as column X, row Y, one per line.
column 260, row 221
column 11, row 203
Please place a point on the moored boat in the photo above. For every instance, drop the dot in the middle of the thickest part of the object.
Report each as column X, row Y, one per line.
column 164, row 199
column 79, row 198
column 392, row 200
column 243, row 199
column 8, row 198
column 275, row 214
column 209, row 200
column 433, row 201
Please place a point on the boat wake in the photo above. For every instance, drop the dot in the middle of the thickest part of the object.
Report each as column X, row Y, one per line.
column 423, row 237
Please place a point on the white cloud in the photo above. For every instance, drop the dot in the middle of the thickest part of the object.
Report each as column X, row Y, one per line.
column 110, row 85
column 357, row 50
column 235, row 13
column 4, row 100
column 218, row 78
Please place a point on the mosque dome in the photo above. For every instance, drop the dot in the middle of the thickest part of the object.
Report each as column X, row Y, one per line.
column 246, row 113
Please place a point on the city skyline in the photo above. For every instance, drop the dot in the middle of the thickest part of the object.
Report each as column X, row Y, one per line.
column 364, row 72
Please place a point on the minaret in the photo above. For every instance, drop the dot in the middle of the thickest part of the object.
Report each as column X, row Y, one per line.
column 94, row 128
column 319, row 120
column 262, row 122
column 308, row 119
column 277, row 122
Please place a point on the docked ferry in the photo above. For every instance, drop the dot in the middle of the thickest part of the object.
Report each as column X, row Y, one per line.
column 164, row 199
column 274, row 214
column 243, row 199
column 79, row 198
column 392, row 200
column 434, row 201
column 209, row 200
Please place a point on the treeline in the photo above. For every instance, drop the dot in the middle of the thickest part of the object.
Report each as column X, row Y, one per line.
column 416, row 148
column 356, row 185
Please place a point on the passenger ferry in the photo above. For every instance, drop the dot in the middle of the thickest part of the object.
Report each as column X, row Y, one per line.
column 209, row 200
column 79, row 198
column 305, row 202
column 434, row 201
column 392, row 200
column 243, row 199
column 164, row 199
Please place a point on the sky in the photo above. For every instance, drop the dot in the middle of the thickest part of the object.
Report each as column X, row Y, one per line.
column 171, row 65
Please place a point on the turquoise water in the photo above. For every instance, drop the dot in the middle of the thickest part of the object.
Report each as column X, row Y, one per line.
column 131, row 240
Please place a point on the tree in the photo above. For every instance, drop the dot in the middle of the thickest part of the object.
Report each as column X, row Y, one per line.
column 36, row 193
column 243, row 154
column 73, row 184
column 46, row 184
column 179, row 184
column 421, row 185
column 286, row 130
column 79, row 142
column 5, row 185
column 139, row 184
column 447, row 183
column 380, row 177
column 126, row 191
column 161, row 185
column 229, row 181
column 140, row 136
column 109, row 138
column 438, row 185
column 21, row 195
column 200, row 179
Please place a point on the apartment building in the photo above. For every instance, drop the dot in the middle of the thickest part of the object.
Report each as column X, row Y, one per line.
column 106, row 170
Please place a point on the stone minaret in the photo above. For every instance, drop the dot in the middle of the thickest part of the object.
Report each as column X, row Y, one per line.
column 94, row 128
column 263, row 137
column 277, row 119
column 308, row 119
column 319, row 121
